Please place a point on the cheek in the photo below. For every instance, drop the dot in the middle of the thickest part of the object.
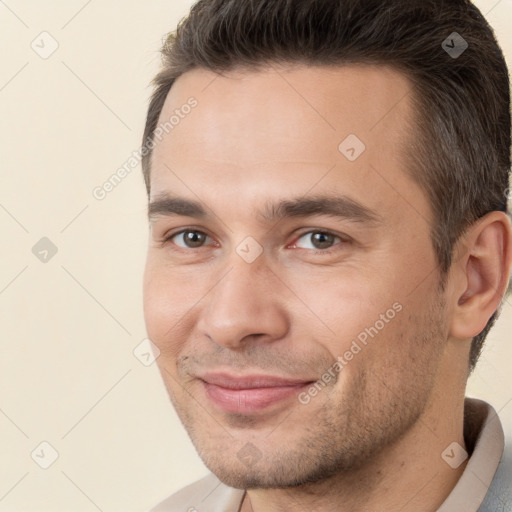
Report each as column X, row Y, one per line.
column 168, row 309
column 344, row 307
column 367, row 324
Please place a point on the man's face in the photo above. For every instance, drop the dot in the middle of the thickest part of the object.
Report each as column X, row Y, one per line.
column 249, row 309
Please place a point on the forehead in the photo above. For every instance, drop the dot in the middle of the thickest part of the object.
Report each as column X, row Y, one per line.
column 334, row 100
column 286, row 126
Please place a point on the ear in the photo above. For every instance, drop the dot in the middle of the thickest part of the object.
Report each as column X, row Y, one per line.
column 481, row 278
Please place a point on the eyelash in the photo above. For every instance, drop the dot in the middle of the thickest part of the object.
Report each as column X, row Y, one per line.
column 343, row 240
column 168, row 238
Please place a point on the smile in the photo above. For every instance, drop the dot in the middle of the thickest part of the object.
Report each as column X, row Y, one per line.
column 250, row 394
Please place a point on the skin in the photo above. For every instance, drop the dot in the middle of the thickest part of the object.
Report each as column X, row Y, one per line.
column 372, row 439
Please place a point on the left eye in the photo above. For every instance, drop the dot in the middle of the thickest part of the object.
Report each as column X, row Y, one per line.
column 317, row 240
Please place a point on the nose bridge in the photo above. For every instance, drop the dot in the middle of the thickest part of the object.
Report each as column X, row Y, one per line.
column 241, row 304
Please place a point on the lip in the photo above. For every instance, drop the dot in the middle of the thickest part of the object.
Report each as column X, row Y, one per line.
column 248, row 394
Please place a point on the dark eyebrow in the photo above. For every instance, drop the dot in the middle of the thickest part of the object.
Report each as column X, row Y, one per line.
column 165, row 205
column 332, row 206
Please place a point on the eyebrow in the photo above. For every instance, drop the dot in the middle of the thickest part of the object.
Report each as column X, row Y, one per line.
column 341, row 207
column 165, row 205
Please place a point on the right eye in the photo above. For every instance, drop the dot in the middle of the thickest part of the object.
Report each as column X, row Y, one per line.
column 188, row 238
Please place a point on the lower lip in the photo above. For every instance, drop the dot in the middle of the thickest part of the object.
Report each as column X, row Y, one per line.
column 246, row 401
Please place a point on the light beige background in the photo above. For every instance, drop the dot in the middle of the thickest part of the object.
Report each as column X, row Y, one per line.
column 68, row 375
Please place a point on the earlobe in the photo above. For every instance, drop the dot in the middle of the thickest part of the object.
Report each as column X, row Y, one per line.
column 484, row 268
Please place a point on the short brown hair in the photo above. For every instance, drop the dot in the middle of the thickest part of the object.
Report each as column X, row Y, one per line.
column 461, row 152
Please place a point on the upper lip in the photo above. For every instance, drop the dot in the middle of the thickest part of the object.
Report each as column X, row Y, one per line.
column 251, row 381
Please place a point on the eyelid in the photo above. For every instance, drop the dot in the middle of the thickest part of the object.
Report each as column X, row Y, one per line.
column 308, row 231
column 168, row 236
column 342, row 237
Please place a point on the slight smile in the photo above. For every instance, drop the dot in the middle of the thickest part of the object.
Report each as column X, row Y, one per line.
column 250, row 393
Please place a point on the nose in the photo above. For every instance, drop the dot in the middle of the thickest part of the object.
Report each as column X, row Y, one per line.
column 245, row 304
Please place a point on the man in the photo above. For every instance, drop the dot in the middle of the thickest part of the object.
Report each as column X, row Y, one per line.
column 329, row 247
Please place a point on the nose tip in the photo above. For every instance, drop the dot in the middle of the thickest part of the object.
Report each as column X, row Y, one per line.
column 243, row 307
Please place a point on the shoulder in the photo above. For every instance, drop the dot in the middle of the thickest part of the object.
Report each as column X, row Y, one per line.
column 208, row 493
column 499, row 495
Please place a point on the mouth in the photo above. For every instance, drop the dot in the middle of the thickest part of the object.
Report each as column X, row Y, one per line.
column 250, row 394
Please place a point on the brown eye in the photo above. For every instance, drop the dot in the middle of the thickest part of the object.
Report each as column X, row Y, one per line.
column 317, row 240
column 189, row 239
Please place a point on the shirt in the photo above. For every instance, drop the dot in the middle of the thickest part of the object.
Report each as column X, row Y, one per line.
column 484, row 486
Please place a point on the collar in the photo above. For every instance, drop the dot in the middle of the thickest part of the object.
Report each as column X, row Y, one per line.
column 483, row 434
